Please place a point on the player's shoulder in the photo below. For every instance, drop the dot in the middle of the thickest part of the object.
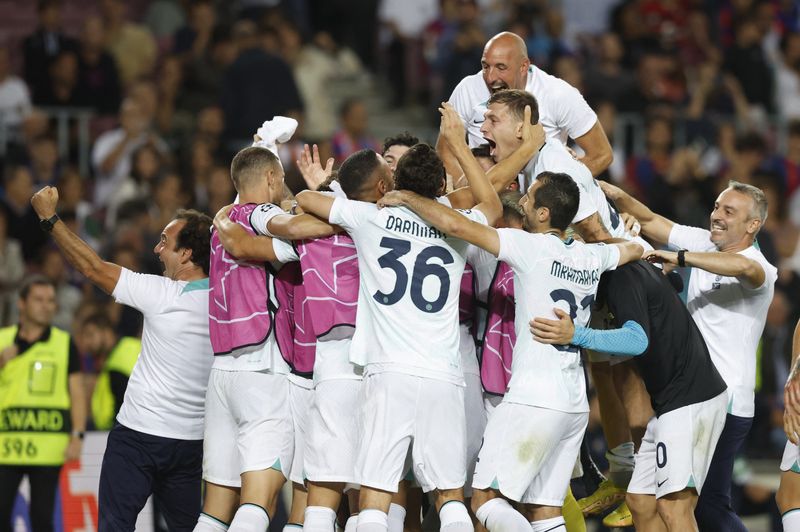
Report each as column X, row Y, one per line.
column 472, row 87
column 540, row 82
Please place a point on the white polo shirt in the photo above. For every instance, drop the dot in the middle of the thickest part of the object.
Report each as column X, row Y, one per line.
column 562, row 110
column 730, row 316
column 167, row 389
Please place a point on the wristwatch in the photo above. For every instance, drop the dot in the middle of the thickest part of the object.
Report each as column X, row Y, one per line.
column 78, row 434
column 682, row 258
column 47, row 225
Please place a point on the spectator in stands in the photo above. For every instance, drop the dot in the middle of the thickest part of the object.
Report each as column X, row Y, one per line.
column 169, row 195
column 220, row 190
column 352, row 135
column 111, row 155
column 148, row 164
column 204, row 74
column 97, row 70
column 62, row 89
column 169, row 82
column 22, row 220
column 15, row 101
column 606, row 78
column 748, row 63
column 787, row 77
column 209, row 127
column 194, row 39
column 251, row 92
column 44, row 161
column 315, row 65
column 132, row 45
column 12, row 270
column 68, row 298
column 45, row 44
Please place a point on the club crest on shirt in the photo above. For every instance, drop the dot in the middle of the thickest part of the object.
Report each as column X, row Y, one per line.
column 716, row 285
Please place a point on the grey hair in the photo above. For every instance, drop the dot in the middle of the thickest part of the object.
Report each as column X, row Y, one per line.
column 760, row 206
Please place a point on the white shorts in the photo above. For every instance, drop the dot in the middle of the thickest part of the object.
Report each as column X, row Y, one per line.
column 529, row 453
column 677, row 448
column 791, row 458
column 248, row 426
column 401, row 411
column 301, row 395
column 334, row 430
column 476, row 424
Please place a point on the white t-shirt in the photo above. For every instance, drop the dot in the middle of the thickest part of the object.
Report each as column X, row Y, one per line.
column 15, row 101
column 410, row 274
column 554, row 157
column 167, row 389
column 551, row 273
column 266, row 356
column 730, row 316
column 562, row 110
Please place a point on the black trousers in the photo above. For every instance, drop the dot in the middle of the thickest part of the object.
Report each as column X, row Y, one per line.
column 43, row 481
column 137, row 465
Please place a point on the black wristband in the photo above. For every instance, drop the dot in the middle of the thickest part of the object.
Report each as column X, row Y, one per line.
column 682, row 258
column 47, row 225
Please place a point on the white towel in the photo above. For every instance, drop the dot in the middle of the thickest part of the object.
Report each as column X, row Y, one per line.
column 273, row 132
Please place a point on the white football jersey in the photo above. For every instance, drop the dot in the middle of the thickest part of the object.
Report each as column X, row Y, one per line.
column 554, row 157
column 407, row 319
column 562, row 110
column 548, row 273
column 730, row 316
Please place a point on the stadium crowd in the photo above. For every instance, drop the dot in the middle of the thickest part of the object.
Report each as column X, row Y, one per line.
column 690, row 93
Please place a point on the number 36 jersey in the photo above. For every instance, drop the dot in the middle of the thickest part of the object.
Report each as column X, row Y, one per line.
column 550, row 273
column 407, row 320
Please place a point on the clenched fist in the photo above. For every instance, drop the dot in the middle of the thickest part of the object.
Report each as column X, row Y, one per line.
column 44, row 202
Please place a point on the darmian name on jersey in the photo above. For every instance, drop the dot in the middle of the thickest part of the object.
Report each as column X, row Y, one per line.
column 586, row 277
column 395, row 223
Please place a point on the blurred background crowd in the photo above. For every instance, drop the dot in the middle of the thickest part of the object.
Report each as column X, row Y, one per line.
column 134, row 109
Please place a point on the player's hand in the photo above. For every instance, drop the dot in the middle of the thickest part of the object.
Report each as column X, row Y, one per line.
column 44, row 202
column 451, row 128
column 558, row 332
column 311, row 168
column 7, row 354
column 73, row 450
column 532, row 134
column 632, row 226
column 395, row 198
column 612, row 192
column 659, row 256
column 222, row 216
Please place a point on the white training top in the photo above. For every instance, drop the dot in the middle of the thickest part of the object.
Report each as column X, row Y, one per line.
column 266, row 356
column 730, row 316
column 407, row 319
column 548, row 273
column 562, row 110
column 167, row 389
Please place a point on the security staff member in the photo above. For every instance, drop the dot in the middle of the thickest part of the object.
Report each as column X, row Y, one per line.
column 119, row 355
column 42, row 404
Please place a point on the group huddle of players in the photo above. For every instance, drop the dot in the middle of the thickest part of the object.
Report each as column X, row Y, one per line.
column 377, row 336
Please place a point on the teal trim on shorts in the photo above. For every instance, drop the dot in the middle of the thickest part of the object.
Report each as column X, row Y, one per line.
column 410, row 476
column 220, row 521
column 495, row 485
column 795, row 468
column 730, row 405
column 691, row 483
column 787, row 512
column 200, row 284
column 277, row 466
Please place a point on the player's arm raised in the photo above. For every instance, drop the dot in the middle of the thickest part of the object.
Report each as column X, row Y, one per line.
column 747, row 270
column 654, row 226
column 239, row 243
column 445, row 219
column 506, row 171
column 78, row 253
column 486, row 198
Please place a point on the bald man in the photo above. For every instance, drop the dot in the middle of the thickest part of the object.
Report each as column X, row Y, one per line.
column 563, row 111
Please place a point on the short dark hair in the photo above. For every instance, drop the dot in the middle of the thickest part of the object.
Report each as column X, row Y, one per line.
column 356, row 171
column 195, row 236
column 559, row 193
column 403, row 139
column 99, row 320
column 34, row 280
column 420, row 170
column 516, row 100
column 347, row 105
column 250, row 163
